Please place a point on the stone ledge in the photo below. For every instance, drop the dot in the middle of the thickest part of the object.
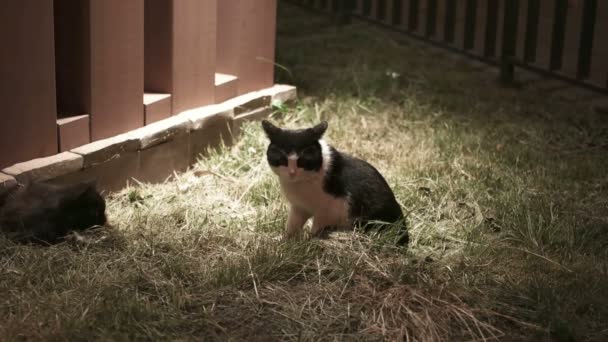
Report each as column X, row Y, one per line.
column 262, row 98
column 248, row 102
column 112, row 175
column 101, row 151
column 201, row 117
column 6, row 183
column 282, row 92
column 161, row 131
column 212, row 133
column 175, row 142
column 254, row 115
column 159, row 162
column 42, row 169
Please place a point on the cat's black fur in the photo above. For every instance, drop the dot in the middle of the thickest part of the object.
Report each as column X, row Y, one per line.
column 46, row 213
column 370, row 197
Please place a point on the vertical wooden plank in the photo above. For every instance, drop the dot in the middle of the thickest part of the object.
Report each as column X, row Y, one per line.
column 459, row 23
column 449, row 20
column 336, row 5
column 486, row 27
column 397, row 13
column 440, row 18
column 257, row 45
column 431, row 18
column 558, row 34
column 509, row 40
column 158, row 37
column 521, row 30
column 117, row 66
column 491, row 28
column 572, row 34
column 367, row 8
column 27, row 84
column 599, row 55
column 545, row 28
column 358, row 7
column 180, row 48
column 481, row 27
column 323, row 5
column 414, row 10
column 500, row 26
column 194, row 34
column 531, row 39
column 586, row 39
column 374, row 10
column 405, row 14
column 422, row 16
column 72, row 57
column 343, row 11
column 228, row 33
column 470, row 24
column 381, row 10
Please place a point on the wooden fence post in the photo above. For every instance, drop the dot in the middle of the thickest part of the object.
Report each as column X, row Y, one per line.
column 180, row 51
column 100, row 65
column 27, row 83
column 343, row 11
column 509, row 39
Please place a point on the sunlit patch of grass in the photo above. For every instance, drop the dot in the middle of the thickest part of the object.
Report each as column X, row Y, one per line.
column 504, row 191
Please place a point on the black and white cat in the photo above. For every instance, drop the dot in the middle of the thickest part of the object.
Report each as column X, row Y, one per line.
column 46, row 213
column 335, row 189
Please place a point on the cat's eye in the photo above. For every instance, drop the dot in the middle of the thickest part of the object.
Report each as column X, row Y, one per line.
column 276, row 157
column 310, row 158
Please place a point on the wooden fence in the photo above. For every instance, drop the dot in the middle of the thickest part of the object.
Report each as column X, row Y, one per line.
column 76, row 71
column 564, row 39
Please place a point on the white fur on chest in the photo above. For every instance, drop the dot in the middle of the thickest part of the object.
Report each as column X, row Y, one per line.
column 310, row 198
column 304, row 191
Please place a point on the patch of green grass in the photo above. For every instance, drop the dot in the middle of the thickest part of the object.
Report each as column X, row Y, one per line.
column 505, row 192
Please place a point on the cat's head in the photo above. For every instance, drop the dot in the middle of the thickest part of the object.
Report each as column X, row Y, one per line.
column 82, row 205
column 296, row 154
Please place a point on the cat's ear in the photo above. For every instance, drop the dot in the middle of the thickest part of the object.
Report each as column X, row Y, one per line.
column 270, row 129
column 319, row 129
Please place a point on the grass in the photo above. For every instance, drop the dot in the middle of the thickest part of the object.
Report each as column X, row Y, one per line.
column 505, row 190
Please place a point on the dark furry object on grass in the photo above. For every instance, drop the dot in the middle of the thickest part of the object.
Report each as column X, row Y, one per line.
column 46, row 213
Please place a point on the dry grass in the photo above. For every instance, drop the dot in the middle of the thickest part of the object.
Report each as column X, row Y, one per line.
column 505, row 190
